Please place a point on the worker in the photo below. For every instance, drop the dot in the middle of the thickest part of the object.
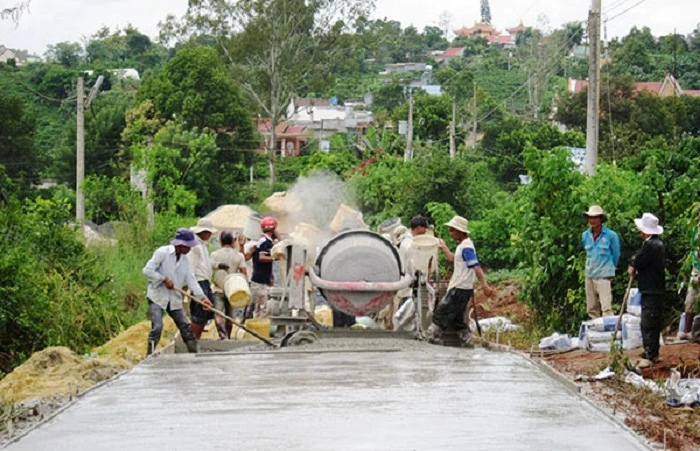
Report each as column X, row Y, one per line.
column 201, row 266
column 405, row 306
column 602, row 247
column 262, row 277
column 649, row 267
column 449, row 313
column 691, row 296
column 224, row 262
column 170, row 268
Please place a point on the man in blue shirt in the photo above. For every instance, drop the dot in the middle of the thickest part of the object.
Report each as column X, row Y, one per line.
column 602, row 247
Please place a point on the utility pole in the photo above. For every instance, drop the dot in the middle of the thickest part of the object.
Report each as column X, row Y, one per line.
column 408, row 154
column 474, row 114
column 80, row 154
column 593, row 114
column 80, row 144
column 453, row 150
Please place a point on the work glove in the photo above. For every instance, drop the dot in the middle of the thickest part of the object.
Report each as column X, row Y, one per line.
column 224, row 266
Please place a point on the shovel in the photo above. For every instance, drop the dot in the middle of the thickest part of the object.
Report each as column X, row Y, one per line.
column 219, row 312
column 622, row 311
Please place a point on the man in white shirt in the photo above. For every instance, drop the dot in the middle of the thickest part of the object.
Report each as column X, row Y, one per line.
column 449, row 313
column 225, row 261
column 170, row 268
column 405, row 308
column 203, row 272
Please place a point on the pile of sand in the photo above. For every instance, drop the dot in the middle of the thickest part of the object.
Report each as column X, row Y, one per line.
column 60, row 371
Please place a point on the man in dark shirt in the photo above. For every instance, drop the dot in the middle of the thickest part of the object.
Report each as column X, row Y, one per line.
column 262, row 268
column 648, row 266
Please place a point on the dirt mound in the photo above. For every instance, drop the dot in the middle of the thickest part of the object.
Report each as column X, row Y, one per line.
column 53, row 371
column 129, row 347
column 60, row 371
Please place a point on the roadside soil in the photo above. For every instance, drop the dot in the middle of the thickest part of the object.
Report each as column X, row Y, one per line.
column 639, row 408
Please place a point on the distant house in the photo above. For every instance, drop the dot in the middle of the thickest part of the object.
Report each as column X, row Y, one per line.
column 289, row 139
column 121, row 74
column 20, row 57
column 506, row 39
column 479, row 30
column 405, row 67
column 452, row 52
column 669, row 87
column 322, row 119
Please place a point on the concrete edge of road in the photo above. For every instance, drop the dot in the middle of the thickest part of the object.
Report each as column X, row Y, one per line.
column 169, row 349
column 575, row 389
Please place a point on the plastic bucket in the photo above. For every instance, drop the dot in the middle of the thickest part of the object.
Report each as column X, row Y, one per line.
column 424, row 248
column 252, row 229
column 305, row 234
column 259, row 325
column 324, row 315
column 347, row 218
column 237, row 290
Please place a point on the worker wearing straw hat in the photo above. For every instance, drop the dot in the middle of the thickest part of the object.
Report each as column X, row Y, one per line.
column 201, row 265
column 649, row 268
column 170, row 268
column 449, row 313
column 602, row 247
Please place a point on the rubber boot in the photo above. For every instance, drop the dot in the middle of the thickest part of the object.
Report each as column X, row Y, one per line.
column 192, row 346
column 150, row 347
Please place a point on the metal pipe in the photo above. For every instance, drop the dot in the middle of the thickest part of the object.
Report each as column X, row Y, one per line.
column 360, row 286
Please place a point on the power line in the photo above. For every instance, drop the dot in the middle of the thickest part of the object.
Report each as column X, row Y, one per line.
column 623, row 12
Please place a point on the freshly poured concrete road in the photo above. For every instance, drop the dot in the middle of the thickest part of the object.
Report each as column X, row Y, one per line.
column 422, row 397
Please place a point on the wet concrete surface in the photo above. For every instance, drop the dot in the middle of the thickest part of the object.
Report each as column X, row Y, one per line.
column 414, row 396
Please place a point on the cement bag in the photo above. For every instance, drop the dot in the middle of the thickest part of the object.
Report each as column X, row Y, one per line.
column 597, row 337
column 556, row 341
column 237, row 290
column 403, row 318
column 603, row 324
column 634, row 302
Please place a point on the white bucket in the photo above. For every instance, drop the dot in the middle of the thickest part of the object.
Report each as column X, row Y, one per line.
column 424, row 248
column 252, row 229
column 305, row 234
column 237, row 290
column 347, row 218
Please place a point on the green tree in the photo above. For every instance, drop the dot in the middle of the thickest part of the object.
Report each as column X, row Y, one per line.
column 282, row 45
column 68, row 54
column 485, row 11
column 17, row 152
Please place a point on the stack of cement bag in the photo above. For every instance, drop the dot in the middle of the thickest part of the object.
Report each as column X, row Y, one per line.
column 595, row 335
column 632, row 321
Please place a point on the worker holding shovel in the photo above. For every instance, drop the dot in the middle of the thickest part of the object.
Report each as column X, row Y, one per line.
column 449, row 313
column 167, row 269
column 649, row 267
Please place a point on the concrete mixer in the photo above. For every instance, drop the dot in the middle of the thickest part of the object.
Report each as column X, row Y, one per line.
column 359, row 272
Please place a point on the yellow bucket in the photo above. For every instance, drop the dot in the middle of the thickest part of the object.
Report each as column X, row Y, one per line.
column 324, row 315
column 259, row 325
column 237, row 290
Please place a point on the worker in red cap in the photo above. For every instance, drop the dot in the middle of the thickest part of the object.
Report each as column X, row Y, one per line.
column 262, row 268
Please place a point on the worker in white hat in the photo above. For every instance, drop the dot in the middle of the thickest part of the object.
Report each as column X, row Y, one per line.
column 602, row 246
column 201, row 264
column 650, row 269
column 449, row 313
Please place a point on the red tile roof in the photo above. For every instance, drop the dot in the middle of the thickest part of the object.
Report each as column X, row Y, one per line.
column 517, row 29
column 692, row 92
column 653, row 87
column 483, row 28
column 452, row 52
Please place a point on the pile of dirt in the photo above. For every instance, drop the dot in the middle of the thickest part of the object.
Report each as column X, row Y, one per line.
column 53, row 371
column 129, row 347
column 58, row 370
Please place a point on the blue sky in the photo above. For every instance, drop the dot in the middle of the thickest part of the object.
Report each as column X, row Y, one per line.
column 52, row 21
